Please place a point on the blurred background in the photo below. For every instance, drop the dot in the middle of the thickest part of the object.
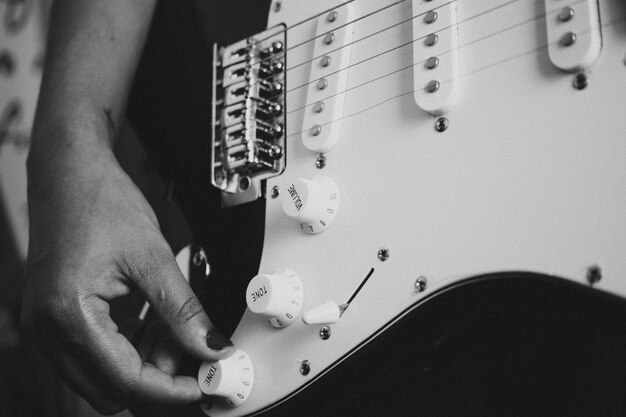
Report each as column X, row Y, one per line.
column 164, row 150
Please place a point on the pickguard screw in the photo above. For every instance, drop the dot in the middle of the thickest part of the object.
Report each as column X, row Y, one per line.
column 441, row 125
column 580, row 81
column 275, row 191
column 383, row 254
column 305, row 367
column 320, row 162
column 420, row 283
column 277, row 6
column 325, row 333
column 594, row 274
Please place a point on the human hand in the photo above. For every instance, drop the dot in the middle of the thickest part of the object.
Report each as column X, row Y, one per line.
column 94, row 237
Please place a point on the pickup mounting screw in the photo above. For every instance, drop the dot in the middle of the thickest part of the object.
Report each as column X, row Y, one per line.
column 441, row 125
column 325, row 333
column 332, row 16
column 383, row 254
column 277, row 6
column 420, row 283
column 580, row 81
column 594, row 274
column 320, row 162
column 305, row 367
column 275, row 191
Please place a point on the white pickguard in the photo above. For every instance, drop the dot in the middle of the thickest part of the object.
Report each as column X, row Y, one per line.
column 530, row 176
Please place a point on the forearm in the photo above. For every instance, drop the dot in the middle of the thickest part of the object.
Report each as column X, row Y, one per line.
column 92, row 55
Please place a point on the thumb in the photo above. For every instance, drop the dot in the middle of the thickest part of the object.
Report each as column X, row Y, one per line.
column 173, row 300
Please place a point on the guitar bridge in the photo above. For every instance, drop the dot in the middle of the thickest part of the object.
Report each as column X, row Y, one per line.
column 248, row 115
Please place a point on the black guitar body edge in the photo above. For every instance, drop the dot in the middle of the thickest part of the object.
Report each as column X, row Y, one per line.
column 506, row 344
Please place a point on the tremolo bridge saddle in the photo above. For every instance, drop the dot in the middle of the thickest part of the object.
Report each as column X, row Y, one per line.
column 248, row 114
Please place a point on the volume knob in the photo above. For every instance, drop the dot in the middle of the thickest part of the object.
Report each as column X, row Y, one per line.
column 276, row 296
column 313, row 202
column 230, row 378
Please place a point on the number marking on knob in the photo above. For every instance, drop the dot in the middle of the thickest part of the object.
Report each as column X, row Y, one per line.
column 278, row 297
column 313, row 203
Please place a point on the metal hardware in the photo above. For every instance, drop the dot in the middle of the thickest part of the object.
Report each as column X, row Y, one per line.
column 432, row 86
column 594, row 274
column 567, row 13
column 431, row 39
column 315, row 130
column 432, row 62
column 326, row 60
column 420, row 283
column 580, row 81
column 318, row 107
column 568, row 39
column 431, row 17
column 244, row 183
column 332, row 16
column 278, row 6
column 320, row 162
column 275, row 191
column 322, row 84
column 249, row 114
column 383, row 254
column 325, row 333
column 305, row 367
column 441, row 125
column 329, row 38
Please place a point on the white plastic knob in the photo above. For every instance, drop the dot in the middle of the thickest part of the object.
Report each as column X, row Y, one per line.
column 313, row 202
column 230, row 378
column 276, row 296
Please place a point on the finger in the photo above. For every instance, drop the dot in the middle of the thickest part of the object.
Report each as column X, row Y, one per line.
column 113, row 359
column 166, row 355
column 173, row 300
column 76, row 376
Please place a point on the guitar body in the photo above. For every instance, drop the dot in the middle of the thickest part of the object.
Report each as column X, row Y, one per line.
column 514, row 344
column 528, row 175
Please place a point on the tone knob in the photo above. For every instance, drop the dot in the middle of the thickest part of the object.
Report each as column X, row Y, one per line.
column 230, row 378
column 276, row 296
column 313, row 202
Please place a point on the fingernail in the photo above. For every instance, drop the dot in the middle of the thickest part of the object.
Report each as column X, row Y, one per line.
column 217, row 341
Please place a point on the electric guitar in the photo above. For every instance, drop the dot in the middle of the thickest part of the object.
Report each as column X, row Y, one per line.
column 444, row 208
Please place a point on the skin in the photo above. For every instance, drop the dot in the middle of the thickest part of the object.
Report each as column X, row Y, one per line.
column 93, row 236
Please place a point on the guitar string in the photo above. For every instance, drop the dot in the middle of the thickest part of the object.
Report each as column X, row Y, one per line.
column 458, row 24
column 484, row 13
column 325, row 12
column 480, row 69
column 382, row 30
column 415, row 63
